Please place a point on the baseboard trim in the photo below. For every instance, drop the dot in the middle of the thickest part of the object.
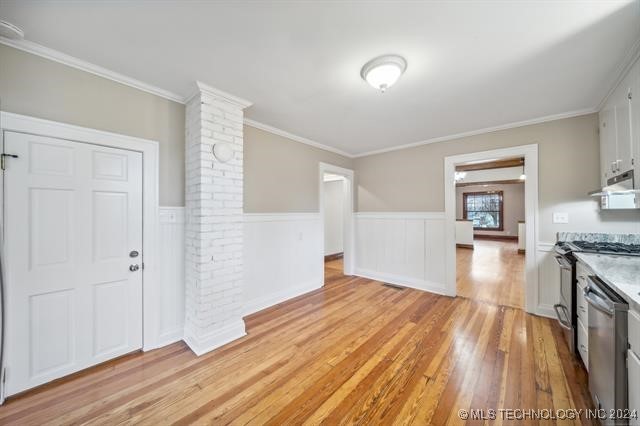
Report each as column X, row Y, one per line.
column 465, row 246
column 256, row 305
column 495, row 237
column 200, row 345
column 414, row 283
column 335, row 256
column 169, row 337
column 546, row 311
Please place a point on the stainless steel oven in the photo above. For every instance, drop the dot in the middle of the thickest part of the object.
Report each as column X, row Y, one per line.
column 564, row 309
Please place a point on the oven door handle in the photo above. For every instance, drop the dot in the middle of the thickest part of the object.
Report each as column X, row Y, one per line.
column 563, row 263
column 593, row 299
column 563, row 323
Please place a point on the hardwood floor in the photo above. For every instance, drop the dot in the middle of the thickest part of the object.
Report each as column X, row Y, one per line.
column 355, row 351
column 492, row 272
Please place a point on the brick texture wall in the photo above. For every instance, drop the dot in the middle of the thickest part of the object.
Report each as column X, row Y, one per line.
column 213, row 234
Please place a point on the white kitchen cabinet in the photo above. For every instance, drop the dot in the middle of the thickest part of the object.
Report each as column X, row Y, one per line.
column 622, row 101
column 633, row 366
column 634, row 331
column 635, row 120
column 582, row 308
column 619, row 122
column 583, row 343
column 608, row 148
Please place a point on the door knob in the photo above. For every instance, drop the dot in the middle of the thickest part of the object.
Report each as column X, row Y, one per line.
column 134, row 268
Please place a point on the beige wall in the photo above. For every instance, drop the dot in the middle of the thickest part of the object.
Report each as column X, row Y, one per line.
column 513, row 205
column 42, row 88
column 333, row 216
column 412, row 179
column 281, row 175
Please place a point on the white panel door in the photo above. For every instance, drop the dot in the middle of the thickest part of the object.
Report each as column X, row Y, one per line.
column 73, row 214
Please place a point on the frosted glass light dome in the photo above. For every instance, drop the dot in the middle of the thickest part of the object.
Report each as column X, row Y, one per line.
column 383, row 71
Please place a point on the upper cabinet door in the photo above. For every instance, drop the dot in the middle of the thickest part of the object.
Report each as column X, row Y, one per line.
column 634, row 108
column 620, row 129
column 608, row 151
column 622, row 102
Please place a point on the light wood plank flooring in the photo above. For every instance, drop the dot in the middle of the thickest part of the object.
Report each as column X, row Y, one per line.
column 492, row 272
column 355, row 351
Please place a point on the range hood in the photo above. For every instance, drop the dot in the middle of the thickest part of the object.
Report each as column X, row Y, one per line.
column 619, row 194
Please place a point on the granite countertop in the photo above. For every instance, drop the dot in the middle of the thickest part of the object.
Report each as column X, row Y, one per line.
column 621, row 273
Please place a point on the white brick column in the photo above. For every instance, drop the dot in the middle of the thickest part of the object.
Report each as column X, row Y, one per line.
column 213, row 205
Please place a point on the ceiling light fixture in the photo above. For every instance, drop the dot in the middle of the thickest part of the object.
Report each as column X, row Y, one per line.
column 458, row 176
column 383, row 71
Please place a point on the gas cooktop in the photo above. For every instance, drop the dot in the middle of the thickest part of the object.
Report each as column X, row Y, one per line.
column 601, row 247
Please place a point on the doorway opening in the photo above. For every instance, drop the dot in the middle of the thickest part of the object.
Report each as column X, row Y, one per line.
column 336, row 218
column 490, row 228
column 333, row 225
column 491, row 210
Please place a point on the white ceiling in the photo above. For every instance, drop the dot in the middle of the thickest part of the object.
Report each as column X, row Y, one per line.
column 471, row 65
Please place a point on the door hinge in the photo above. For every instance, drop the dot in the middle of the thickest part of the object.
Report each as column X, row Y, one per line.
column 4, row 376
column 143, row 265
column 3, row 156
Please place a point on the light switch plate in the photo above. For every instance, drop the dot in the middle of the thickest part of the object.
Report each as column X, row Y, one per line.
column 560, row 217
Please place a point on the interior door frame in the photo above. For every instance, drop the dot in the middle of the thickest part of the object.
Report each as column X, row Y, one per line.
column 530, row 154
column 11, row 122
column 348, row 227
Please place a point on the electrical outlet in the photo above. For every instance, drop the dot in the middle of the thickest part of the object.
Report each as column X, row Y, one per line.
column 560, row 217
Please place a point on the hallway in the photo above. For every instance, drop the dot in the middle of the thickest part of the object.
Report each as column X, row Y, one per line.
column 493, row 272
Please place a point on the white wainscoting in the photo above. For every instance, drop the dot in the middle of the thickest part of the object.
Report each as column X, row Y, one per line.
column 407, row 249
column 171, row 323
column 282, row 257
column 548, row 280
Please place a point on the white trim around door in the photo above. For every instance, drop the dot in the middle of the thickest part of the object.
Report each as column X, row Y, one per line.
column 348, row 232
column 530, row 154
column 10, row 122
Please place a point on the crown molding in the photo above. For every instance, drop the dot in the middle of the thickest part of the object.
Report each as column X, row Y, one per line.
column 80, row 64
column 623, row 68
column 295, row 138
column 71, row 61
column 507, row 126
column 220, row 94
